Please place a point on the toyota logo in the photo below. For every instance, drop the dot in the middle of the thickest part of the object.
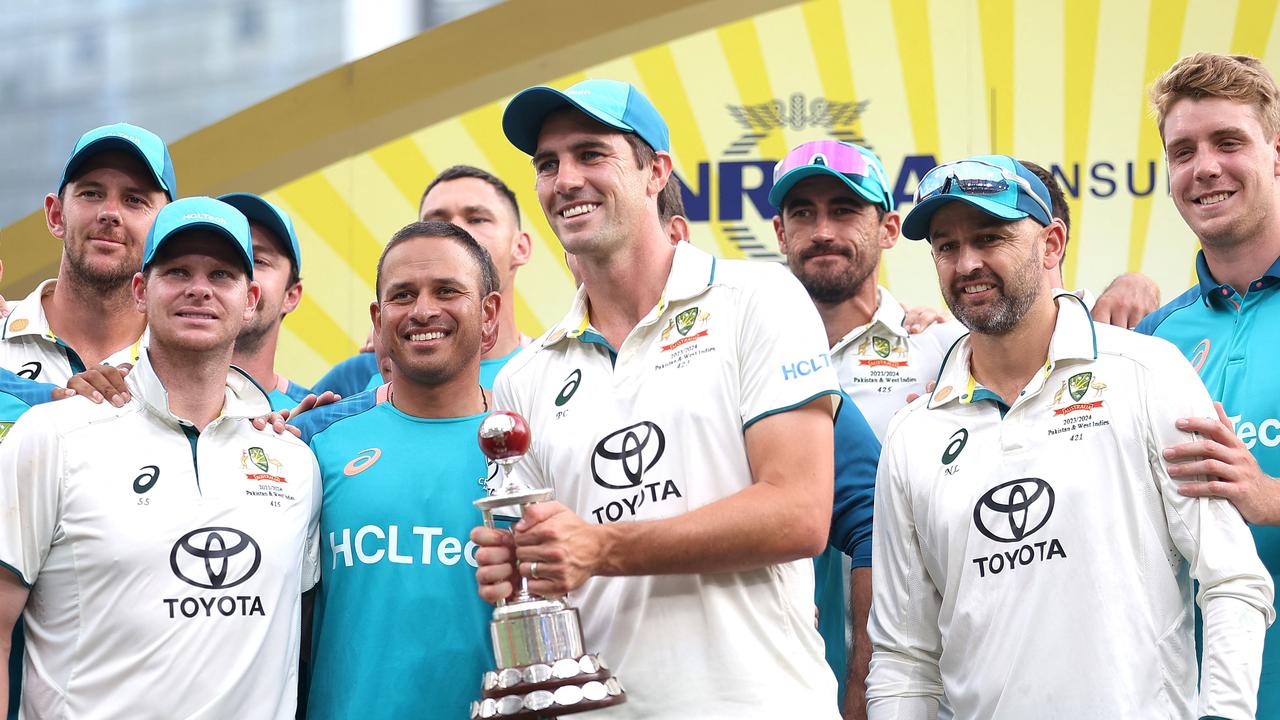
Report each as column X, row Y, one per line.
column 215, row 557
column 1011, row 511
column 632, row 451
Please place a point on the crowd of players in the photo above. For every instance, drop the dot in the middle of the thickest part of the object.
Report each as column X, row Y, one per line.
column 1054, row 496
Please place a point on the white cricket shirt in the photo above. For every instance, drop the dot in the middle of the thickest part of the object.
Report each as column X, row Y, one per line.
column 656, row 431
column 165, row 568
column 29, row 348
column 879, row 364
column 1040, row 565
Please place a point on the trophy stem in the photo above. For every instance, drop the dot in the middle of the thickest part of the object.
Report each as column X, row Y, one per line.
column 542, row 670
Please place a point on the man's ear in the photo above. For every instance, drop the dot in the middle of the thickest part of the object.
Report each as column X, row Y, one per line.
column 659, row 172
column 678, row 229
column 1055, row 244
column 292, row 297
column 489, row 321
column 140, row 292
column 53, row 217
column 781, row 233
column 375, row 316
column 521, row 249
column 254, row 294
column 890, row 229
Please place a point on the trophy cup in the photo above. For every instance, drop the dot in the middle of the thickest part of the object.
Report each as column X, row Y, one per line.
column 542, row 669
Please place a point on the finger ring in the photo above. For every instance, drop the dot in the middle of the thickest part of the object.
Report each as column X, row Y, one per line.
column 533, row 569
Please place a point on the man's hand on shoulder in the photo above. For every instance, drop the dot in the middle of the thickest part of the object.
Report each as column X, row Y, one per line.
column 1230, row 470
column 919, row 318
column 99, row 383
column 279, row 420
column 1127, row 300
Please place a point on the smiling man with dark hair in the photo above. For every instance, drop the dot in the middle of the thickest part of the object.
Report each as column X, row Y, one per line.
column 401, row 468
column 1031, row 549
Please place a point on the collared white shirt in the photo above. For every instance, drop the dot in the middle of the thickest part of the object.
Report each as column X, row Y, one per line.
column 165, row 565
column 1037, row 560
column 29, row 348
column 653, row 429
column 879, row 364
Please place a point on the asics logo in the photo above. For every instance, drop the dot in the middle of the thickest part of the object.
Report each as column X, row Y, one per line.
column 362, row 462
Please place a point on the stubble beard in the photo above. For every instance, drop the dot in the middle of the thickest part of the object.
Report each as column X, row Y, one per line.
column 1007, row 311
column 834, row 286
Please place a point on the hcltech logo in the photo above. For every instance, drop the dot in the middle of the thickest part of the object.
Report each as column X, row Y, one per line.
column 215, row 558
column 621, row 460
column 1009, row 513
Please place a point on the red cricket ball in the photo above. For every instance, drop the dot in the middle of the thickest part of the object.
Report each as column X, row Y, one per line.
column 504, row 435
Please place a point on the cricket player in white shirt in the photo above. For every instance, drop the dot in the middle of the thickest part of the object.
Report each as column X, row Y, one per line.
column 158, row 551
column 683, row 412
column 1032, row 556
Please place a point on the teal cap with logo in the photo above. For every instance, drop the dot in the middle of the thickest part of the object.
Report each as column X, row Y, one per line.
column 260, row 210
column 618, row 105
column 200, row 213
column 995, row 184
column 140, row 142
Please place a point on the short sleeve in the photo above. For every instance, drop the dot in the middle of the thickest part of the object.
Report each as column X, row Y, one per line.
column 30, row 494
column 311, row 552
column 784, row 360
column 857, row 453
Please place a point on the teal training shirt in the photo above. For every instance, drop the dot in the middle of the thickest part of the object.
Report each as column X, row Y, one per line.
column 288, row 399
column 17, row 395
column 489, row 368
column 399, row 630
column 1231, row 340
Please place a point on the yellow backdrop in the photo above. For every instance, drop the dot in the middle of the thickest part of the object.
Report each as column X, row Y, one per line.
column 1061, row 82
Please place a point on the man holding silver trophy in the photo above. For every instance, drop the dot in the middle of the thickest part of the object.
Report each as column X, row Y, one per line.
column 682, row 413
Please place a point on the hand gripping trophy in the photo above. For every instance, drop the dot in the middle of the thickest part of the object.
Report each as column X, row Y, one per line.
column 543, row 670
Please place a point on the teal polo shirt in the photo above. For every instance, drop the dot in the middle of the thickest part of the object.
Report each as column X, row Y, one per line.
column 1232, row 341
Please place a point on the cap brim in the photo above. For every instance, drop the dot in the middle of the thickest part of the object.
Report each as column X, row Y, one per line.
column 198, row 225
column 257, row 210
column 916, row 225
column 106, row 144
column 523, row 117
column 779, row 191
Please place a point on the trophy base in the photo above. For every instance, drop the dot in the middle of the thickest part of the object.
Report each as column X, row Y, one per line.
column 547, row 690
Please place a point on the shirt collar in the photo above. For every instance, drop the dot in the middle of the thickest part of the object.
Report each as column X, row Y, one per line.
column 1074, row 338
column 28, row 316
column 692, row 272
column 889, row 314
column 243, row 397
column 1211, row 288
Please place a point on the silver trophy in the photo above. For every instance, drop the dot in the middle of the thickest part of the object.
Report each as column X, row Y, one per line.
column 542, row 670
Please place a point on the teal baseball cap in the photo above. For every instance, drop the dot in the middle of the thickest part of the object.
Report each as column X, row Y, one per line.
column 995, row 184
column 200, row 213
column 855, row 166
column 261, row 210
column 616, row 104
column 140, row 142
